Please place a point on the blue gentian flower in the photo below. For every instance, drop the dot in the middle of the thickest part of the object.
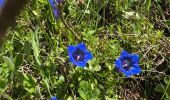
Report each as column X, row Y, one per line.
column 2, row 2
column 128, row 64
column 79, row 55
column 53, row 98
column 54, row 5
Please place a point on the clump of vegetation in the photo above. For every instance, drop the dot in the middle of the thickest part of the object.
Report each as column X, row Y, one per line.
column 35, row 64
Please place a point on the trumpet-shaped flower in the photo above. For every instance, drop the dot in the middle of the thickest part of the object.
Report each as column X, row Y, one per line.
column 79, row 55
column 2, row 2
column 53, row 98
column 128, row 64
column 56, row 9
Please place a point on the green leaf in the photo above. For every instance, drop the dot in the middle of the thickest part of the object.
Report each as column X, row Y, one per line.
column 46, row 84
column 87, row 91
column 164, row 88
column 18, row 60
column 35, row 46
column 148, row 4
column 3, row 84
column 43, row 1
column 9, row 62
column 27, row 49
column 29, row 83
column 93, row 65
column 159, row 88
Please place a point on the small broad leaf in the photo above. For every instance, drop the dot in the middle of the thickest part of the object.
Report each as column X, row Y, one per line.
column 88, row 92
column 93, row 65
column 163, row 89
column 29, row 83
column 9, row 62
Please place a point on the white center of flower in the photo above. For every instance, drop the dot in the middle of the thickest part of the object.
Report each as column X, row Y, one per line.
column 78, row 57
column 126, row 64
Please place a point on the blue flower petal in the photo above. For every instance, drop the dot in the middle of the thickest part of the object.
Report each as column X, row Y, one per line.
column 2, row 2
column 55, row 8
column 89, row 56
column 124, row 53
column 135, row 69
column 135, row 58
column 82, row 47
column 53, row 98
column 80, row 63
column 71, row 49
column 71, row 59
column 118, row 63
column 56, row 13
column 52, row 2
column 59, row 1
column 125, row 72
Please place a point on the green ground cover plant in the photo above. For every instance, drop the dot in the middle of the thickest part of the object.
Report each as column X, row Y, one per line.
column 35, row 63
